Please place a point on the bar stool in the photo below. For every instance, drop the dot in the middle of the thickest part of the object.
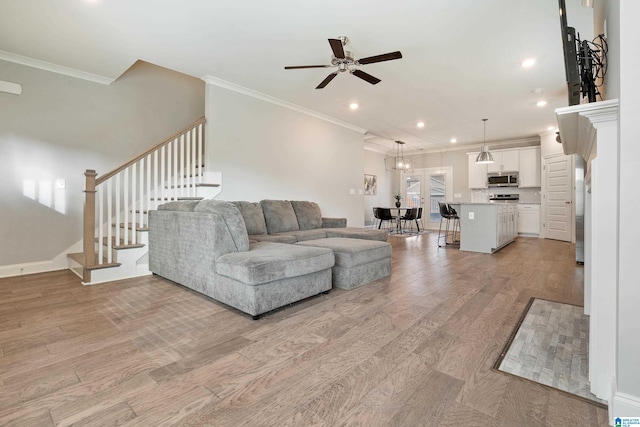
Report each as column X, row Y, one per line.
column 448, row 214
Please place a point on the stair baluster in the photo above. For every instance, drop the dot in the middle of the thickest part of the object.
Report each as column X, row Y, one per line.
column 121, row 198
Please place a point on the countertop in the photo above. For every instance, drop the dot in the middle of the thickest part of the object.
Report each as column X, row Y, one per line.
column 492, row 203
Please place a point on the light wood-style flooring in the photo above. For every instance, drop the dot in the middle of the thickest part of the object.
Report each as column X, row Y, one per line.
column 414, row 349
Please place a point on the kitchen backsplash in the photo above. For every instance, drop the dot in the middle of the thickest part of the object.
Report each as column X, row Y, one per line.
column 527, row 195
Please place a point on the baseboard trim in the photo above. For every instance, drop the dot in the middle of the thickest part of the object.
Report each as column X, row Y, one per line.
column 624, row 405
column 28, row 268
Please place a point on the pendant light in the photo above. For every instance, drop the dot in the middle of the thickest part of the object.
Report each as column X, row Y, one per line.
column 399, row 163
column 484, row 156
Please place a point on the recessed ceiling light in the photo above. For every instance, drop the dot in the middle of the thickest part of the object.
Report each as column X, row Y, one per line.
column 453, row 140
column 537, row 91
column 420, row 124
column 528, row 63
column 354, row 105
column 551, row 128
column 541, row 103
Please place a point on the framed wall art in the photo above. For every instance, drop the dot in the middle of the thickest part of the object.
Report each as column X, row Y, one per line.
column 370, row 185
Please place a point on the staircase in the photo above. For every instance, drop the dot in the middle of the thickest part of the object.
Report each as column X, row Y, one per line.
column 115, row 241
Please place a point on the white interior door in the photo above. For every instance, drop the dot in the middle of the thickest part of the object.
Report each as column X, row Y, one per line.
column 557, row 198
column 425, row 188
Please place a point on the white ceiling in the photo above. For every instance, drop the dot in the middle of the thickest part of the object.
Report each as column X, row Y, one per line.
column 461, row 59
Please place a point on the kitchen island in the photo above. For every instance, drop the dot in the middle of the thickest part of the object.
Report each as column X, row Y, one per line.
column 486, row 227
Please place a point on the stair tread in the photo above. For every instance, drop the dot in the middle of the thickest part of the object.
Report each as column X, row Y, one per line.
column 79, row 258
column 121, row 244
column 143, row 227
column 201, row 184
column 176, row 198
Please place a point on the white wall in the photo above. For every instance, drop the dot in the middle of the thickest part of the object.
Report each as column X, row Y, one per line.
column 549, row 145
column 267, row 151
column 58, row 127
column 374, row 165
column 628, row 368
column 612, row 24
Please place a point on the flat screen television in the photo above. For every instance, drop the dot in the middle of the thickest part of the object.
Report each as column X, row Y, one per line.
column 569, row 46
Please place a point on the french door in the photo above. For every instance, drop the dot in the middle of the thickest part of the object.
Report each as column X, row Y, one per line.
column 424, row 188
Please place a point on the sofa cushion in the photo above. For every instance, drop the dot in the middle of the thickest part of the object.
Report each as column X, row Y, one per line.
column 358, row 233
column 253, row 217
column 334, row 222
column 267, row 262
column 182, row 206
column 303, row 235
column 277, row 238
column 279, row 216
column 352, row 252
column 308, row 214
column 233, row 221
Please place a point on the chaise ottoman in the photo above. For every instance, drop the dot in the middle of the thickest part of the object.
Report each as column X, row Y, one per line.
column 359, row 233
column 357, row 262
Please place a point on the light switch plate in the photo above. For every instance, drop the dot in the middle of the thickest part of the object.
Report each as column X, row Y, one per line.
column 61, row 183
column 352, row 191
column 472, row 215
column 457, row 196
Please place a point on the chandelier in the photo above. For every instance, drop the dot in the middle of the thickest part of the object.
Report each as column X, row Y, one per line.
column 399, row 162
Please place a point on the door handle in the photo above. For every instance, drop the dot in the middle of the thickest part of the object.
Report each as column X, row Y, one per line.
column 568, row 203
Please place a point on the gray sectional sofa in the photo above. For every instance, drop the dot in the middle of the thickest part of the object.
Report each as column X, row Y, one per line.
column 285, row 221
column 257, row 257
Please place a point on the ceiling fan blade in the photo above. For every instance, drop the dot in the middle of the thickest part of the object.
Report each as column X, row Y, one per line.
column 380, row 58
column 295, row 67
column 366, row 77
column 327, row 80
column 336, row 46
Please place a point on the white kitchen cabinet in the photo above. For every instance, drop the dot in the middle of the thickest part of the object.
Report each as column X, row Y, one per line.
column 529, row 219
column 529, row 167
column 477, row 173
column 504, row 161
column 507, row 216
column 487, row 227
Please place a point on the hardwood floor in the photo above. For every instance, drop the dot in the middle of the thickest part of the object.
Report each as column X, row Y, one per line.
column 413, row 349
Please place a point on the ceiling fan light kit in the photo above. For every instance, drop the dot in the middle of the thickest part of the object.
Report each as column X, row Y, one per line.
column 345, row 61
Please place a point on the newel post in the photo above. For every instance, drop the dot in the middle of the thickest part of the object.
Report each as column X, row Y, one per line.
column 89, row 227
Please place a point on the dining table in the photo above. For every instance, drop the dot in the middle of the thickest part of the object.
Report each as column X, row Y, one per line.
column 398, row 216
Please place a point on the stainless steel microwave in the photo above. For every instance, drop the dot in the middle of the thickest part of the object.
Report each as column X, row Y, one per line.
column 502, row 179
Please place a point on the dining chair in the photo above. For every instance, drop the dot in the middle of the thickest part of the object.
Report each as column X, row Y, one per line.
column 376, row 217
column 419, row 218
column 384, row 214
column 410, row 215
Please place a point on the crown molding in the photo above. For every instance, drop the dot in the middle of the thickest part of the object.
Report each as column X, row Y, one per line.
column 469, row 148
column 368, row 146
column 58, row 69
column 493, row 146
column 273, row 100
column 8, row 87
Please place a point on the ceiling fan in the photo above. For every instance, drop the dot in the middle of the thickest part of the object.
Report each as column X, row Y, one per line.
column 345, row 61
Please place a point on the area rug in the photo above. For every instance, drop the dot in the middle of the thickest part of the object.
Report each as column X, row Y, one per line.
column 550, row 345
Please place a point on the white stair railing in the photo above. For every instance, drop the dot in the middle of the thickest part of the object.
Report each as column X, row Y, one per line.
column 116, row 203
